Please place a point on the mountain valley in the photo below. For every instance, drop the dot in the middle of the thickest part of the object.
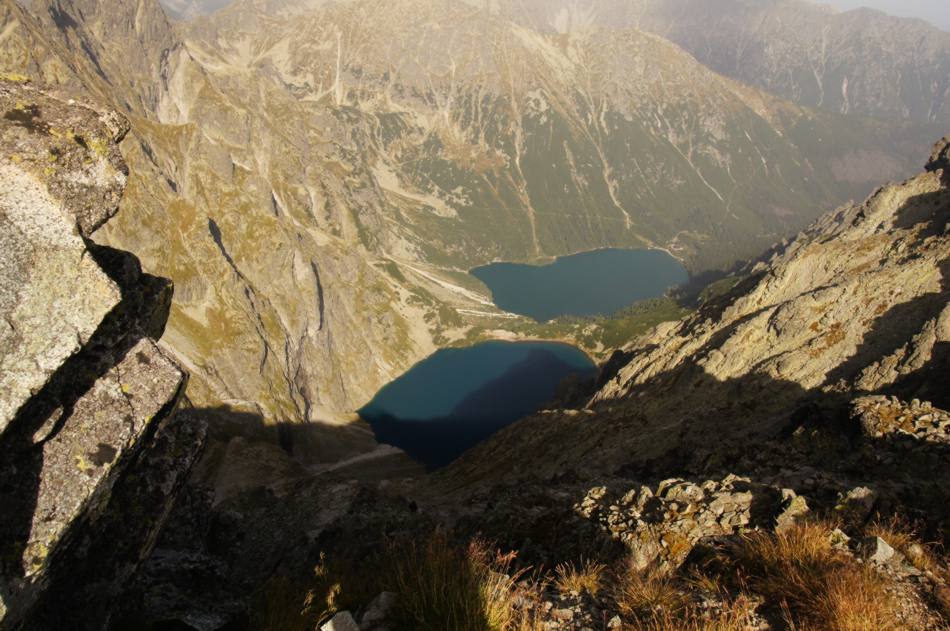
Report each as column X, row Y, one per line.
column 435, row 172
column 263, row 214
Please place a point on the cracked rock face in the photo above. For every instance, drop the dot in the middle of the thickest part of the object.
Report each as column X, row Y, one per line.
column 52, row 296
column 87, row 398
column 63, row 177
column 113, row 415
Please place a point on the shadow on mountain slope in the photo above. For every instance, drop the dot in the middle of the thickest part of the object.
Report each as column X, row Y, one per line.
column 222, row 544
column 82, row 394
column 891, row 332
column 263, row 502
column 809, row 442
column 678, row 421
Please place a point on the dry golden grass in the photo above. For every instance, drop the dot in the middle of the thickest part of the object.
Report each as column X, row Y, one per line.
column 644, row 594
column 797, row 574
column 735, row 616
column 587, row 577
column 442, row 586
column 819, row 587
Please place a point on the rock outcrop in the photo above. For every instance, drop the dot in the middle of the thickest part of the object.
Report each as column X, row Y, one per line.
column 660, row 525
column 91, row 452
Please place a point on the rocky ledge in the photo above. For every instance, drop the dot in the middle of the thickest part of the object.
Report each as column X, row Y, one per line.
column 92, row 453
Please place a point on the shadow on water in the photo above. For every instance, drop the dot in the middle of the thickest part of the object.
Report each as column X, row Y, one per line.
column 521, row 390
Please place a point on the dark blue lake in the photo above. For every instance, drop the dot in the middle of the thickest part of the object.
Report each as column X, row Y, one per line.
column 590, row 283
column 460, row 396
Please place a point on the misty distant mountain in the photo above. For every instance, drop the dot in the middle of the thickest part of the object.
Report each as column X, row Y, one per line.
column 186, row 9
column 937, row 12
column 857, row 62
column 861, row 61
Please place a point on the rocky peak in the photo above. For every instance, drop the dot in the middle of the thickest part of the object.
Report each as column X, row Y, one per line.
column 88, row 396
column 940, row 158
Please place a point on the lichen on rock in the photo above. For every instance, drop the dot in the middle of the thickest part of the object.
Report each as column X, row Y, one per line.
column 86, row 391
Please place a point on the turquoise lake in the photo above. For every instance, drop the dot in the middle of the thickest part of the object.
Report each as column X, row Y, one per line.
column 591, row 283
column 459, row 397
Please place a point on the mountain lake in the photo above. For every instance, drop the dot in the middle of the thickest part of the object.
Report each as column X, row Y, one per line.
column 600, row 282
column 458, row 397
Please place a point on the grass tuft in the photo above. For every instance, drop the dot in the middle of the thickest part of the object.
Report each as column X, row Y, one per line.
column 735, row 615
column 818, row 586
column 645, row 594
column 439, row 585
column 903, row 536
column 442, row 586
column 587, row 577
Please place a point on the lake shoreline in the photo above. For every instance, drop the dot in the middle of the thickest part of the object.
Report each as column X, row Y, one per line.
column 592, row 283
column 549, row 259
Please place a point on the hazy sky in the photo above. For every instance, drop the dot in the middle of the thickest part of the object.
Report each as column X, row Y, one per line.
column 935, row 11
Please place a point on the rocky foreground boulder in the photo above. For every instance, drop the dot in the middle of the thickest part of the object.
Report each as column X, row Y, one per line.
column 92, row 453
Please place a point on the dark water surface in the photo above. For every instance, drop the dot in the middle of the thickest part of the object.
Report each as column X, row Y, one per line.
column 459, row 397
column 590, row 283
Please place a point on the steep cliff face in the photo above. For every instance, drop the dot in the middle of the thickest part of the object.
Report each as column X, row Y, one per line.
column 92, row 452
column 856, row 304
column 280, row 308
column 859, row 61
